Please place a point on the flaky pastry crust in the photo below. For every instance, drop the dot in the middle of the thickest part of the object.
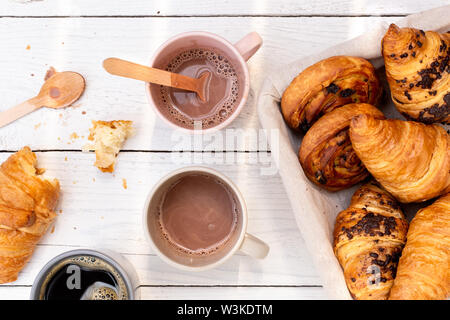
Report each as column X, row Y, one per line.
column 368, row 239
column 409, row 159
column 27, row 204
column 418, row 71
column 326, row 153
column 327, row 85
column 424, row 268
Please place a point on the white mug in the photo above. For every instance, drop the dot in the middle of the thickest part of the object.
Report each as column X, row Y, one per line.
column 239, row 240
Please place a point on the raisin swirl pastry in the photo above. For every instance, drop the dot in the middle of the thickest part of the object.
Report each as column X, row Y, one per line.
column 368, row 240
column 326, row 154
column 327, row 85
column 411, row 160
column 418, row 72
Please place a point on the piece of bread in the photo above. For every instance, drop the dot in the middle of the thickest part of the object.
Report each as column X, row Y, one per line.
column 326, row 153
column 327, row 85
column 368, row 239
column 424, row 268
column 411, row 160
column 27, row 204
column 108, row 137
column 418, row 71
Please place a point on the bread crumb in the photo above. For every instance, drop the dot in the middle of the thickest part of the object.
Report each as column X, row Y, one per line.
column 74, row 182
column 37, row 125
column 83, row 112
column 28, row 47
column 60, row 211
column 93, row 179
column 74, row 135
column 65, row 158
column 53, row 229
column 124, row 183
column 109, row 137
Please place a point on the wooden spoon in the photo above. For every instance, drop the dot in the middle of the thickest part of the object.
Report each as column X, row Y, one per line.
column 132, row 70
column 59, row 91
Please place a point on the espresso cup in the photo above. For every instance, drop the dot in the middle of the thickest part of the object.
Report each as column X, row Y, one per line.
column 239, row 239
column 103, row 260
column 237, row 54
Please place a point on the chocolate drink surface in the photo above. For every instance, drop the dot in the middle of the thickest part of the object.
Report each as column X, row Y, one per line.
column 222, row 95
column 198, row 214
column 86, row 277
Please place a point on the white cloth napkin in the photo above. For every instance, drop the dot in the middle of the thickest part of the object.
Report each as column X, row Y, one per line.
column 315, row 209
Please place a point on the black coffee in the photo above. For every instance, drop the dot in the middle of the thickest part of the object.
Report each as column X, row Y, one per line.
column 83, row 277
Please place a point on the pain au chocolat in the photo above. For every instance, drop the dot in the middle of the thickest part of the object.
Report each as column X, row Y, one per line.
column 418, row 72
column 368, row 239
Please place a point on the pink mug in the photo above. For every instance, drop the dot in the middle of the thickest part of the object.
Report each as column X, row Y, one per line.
column 237, row 53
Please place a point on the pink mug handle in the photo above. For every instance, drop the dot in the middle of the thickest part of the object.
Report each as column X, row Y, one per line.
column 248, row 45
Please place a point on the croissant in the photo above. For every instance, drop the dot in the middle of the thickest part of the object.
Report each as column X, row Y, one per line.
column 418, row 72
column 326, row 153
column 327, row 85
column 424, row 267
column 26, row 211
column 368, row 239
column 411, row 160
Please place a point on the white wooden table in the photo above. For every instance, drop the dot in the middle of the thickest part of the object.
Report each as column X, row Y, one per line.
column 96, row 210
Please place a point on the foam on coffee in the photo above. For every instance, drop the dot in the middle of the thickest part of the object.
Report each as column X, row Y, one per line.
column 198, row 214
column 93, row 264
column 224, row 91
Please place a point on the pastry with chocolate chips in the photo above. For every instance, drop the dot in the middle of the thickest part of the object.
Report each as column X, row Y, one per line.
column 326, row 153
column 418, row 72
column 368, row 240
column 327, row 85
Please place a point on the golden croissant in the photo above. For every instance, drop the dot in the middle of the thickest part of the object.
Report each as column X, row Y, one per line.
column 327, row 85
column 368, row 239
column 418, row 72
column 410, row 160
column 424, row 268
column 27, row 205
column 326, row 153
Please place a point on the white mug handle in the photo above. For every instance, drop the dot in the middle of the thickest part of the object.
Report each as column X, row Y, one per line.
column 248, row 45
column 254, row 247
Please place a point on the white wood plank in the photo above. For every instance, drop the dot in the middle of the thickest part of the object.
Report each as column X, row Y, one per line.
column 103, row 214
column 15, row 293
column 205, row 7
column 202, row 293
column 81, row 45
column 230, row 293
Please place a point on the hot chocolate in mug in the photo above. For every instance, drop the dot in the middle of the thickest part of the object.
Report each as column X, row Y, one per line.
column 193, row 54
column 195, row 219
